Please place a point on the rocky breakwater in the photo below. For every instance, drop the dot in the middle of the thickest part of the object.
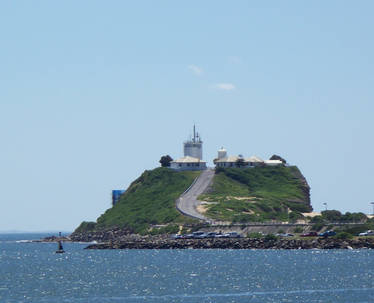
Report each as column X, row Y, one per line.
column 104, row 235
column 148, row 242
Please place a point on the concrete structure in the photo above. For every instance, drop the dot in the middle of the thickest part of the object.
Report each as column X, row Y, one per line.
column 193, row 155
column 194, row 146
column 188, row 163
column 222, row 153
column 273, row 162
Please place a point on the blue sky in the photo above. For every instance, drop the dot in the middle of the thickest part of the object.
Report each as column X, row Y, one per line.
column 94, row 93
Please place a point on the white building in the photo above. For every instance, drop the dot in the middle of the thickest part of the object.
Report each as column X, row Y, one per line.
column 188, row 163
column 239, row 161
column 273, row 162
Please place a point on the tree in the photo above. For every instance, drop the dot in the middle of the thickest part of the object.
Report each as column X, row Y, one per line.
column 240, row 162
column 331, row 215
column 165, row 161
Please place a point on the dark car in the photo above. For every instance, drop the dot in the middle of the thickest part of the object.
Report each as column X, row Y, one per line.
column 199, row 235
column 309, row 234
column 211, row 235
column 327, row 233
column 232, row 234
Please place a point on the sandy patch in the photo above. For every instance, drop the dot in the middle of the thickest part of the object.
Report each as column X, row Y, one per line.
column 201, row 209
column 239, row 198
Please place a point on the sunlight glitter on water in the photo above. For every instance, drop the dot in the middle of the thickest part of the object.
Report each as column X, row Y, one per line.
column 31, row 272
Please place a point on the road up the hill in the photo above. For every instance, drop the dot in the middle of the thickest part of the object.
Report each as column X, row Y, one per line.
column 187, row 202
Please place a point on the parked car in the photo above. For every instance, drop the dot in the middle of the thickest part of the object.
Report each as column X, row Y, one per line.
column 176, row 236
column 310, row 234
column 367, row 233
column 211, row 235
column 198, row 235
column 327, row 233
column 284, row 235
column 232, row 234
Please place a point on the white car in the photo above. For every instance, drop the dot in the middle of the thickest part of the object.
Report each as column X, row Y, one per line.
column 367, row 233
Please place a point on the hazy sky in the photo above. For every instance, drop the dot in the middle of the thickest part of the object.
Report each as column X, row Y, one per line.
column 92, row 93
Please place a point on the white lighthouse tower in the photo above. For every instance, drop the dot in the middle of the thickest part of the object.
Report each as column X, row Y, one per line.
column 194, row 146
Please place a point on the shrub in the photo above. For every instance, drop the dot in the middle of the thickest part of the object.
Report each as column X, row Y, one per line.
column 344, row 235
column 294, row 216
column 317, row 219
column 270, row 237
column 331, row 215
column 298, row 230
column 255, row 235
column 317, row 226
column 354, row 217
column 169, row 229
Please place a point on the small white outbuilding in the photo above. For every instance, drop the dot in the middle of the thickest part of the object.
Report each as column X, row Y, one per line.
column 188, row 163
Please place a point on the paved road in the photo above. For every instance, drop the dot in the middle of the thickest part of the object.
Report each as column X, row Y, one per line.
column 188, row 202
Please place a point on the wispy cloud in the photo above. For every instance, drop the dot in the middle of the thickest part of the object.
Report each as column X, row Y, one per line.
column 224, row 86
column 198, row 71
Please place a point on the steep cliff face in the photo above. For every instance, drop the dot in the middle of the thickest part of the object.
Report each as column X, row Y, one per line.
column 304, row 186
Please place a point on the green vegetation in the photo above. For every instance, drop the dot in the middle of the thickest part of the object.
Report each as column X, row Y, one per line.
column 165, row 161
column 168, row 229
column 149, row 200
column 257, row 194
column 335, row 216
column 86, row 226
column 356, row 229
column 344, row 235
column 270, row 237
column 317, row 226
column 255, row 235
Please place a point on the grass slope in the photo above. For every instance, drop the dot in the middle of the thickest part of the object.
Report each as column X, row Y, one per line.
column 257, row 194
column 150, row 199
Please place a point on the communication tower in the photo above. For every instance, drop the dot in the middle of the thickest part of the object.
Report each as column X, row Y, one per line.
column 194, row 146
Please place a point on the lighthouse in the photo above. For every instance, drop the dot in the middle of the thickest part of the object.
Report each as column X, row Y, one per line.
column 194, row 146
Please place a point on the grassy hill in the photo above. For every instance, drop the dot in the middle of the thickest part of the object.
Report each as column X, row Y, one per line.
column 257, row 194
column 150, row 199
column 236, row 195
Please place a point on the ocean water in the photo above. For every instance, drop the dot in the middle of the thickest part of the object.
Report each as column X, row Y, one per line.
column 32, row 272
